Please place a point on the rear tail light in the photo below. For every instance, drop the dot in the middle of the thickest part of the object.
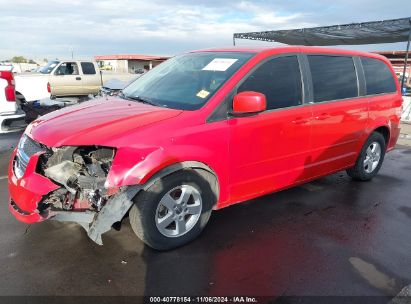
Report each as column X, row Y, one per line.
column 48, row 87
column 9, row 91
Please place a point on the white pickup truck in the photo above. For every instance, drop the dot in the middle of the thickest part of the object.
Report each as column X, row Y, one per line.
column 11, row 116
column 64, row 78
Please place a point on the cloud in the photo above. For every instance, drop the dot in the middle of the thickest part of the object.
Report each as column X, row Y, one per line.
column 164, row 27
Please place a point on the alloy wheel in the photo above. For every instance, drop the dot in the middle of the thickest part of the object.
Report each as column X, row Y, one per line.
column 178, row 211
column 372, row 157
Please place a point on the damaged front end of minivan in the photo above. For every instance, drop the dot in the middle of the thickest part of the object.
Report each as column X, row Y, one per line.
column 80, row 195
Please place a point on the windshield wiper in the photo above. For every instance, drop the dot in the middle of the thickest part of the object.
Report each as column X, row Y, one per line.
column 139, row 99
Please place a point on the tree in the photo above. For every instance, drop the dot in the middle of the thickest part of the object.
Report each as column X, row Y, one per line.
column 18, row 59
column 32, row 61
column 45, row 60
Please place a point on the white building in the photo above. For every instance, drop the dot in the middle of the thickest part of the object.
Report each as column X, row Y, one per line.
column 133, row 63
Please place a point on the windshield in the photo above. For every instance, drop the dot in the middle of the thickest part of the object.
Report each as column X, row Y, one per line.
column 187, row 81
column 48, row 67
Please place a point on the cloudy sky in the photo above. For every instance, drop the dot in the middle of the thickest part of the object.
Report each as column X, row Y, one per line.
column 38, row 29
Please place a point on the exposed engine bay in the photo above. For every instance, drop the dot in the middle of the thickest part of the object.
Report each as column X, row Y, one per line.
column 82, row 198
column 82, row 171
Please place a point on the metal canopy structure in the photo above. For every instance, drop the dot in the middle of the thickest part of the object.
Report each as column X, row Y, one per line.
column 386, row 31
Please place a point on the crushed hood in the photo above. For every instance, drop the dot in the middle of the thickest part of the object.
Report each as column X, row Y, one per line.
column 95, row 122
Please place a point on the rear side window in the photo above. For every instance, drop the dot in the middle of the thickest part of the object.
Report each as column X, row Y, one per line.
column 88, row 68
column 279, row 79
column 378, row 77
column 334, row 77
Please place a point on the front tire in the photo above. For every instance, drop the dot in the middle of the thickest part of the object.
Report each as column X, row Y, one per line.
column 174, row 210
column 370, row 159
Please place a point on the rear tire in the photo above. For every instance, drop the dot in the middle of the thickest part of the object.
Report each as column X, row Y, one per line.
column 370, row 159
column 174, row 210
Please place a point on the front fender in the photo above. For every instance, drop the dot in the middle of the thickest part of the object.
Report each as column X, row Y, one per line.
column 133, row 166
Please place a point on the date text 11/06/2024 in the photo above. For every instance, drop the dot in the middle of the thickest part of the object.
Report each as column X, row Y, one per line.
column 239, row 299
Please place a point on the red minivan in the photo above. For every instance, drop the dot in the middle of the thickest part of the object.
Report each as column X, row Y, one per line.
column 202, row 131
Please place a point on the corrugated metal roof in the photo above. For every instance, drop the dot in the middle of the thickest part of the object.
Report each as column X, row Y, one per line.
column 385, row 31
column 392, row 52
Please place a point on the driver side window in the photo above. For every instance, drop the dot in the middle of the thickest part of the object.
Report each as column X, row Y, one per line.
column 279, row 79
column 67, row 68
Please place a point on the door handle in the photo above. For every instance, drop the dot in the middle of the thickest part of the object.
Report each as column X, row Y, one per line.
column 300, row 121
column 78, row 78
column 323, row 116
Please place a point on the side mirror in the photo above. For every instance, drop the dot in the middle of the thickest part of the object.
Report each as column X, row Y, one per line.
column 249, row 102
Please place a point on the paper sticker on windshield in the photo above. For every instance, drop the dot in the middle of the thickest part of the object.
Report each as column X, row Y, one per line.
column 219, row 64
column 203, row 94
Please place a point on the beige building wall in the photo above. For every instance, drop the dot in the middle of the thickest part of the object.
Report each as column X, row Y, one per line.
column 134, row 65
column 118, row 66
column 128, row 66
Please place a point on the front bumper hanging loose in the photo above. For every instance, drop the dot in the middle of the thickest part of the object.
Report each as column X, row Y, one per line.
column 98, row 223
column 70, row 189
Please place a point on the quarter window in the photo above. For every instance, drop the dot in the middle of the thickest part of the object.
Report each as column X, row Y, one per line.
column 333, row 77
column 279, row 80
column 88, row 68
column 378, row 77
